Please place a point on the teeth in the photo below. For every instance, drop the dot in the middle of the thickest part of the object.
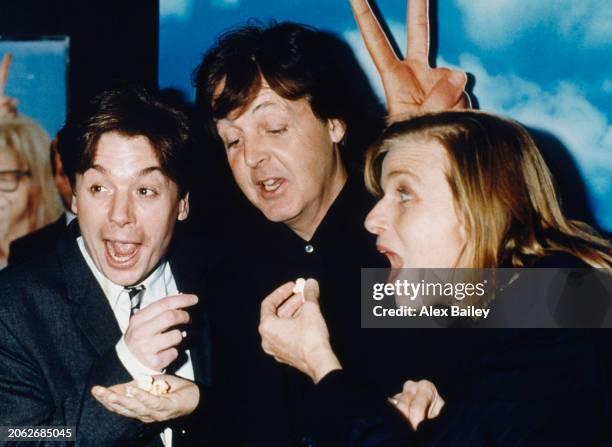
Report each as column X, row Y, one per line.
column 271, row 185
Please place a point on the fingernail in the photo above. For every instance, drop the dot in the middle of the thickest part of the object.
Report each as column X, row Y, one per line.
column 184, row 334
column 457, row 78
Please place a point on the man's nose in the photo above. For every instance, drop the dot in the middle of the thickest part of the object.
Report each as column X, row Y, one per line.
column 122, row 209
column 254, row 152
column 377, row 221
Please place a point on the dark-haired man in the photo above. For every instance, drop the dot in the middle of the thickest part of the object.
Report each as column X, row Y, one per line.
column 105, row 308
column 280, row 102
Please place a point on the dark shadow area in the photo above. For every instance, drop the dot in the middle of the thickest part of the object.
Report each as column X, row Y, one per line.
column 570, row 186
column 367, row 120
column 469, row 88
column 110, row 40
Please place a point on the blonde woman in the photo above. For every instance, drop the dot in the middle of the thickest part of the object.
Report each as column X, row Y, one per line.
column 461, row 189
column 28, row 197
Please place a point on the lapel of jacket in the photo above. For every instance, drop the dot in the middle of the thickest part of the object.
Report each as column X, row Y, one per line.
column 93, row 314
column 189, row 276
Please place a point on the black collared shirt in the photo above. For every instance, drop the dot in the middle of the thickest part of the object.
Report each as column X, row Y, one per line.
column 261, row 402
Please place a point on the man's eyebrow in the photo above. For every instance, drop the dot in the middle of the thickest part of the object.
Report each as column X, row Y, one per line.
column 141, row 173
column 99, row 168
column 263, row 105
column 149, row 170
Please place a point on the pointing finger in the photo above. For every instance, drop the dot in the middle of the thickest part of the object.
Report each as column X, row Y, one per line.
column 375, row 39
column 418, row 30
column 4, row 71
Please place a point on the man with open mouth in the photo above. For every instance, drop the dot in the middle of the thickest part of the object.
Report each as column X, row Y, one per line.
column 281, row 101
column 112, row 304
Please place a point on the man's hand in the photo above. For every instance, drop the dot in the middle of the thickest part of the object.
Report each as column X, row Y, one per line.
column 128, row 400
column 148, row 336
column 294, row 332
column 411, row 86
column 8, row 106
column 418, row 401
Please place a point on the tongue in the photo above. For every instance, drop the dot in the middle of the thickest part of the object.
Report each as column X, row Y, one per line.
column 121, row 249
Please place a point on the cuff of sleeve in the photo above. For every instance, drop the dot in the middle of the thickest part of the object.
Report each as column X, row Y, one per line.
column 328, row 405
column 136, row 369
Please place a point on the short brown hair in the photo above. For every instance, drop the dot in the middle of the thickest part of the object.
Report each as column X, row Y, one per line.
column 297, row 61
column 130, row 111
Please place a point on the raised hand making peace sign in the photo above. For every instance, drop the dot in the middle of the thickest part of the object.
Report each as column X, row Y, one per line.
column 412, row 86
column 8, row 106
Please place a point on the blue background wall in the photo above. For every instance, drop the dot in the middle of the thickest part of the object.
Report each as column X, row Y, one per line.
column 37, row 77
column 545, row 63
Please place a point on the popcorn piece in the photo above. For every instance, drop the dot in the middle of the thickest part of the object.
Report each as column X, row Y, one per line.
column 160, row 387
column 299, row 286
column 145, row 383
column 154, row 386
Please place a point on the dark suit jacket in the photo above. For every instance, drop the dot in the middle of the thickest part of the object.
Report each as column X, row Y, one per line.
column 40, row 241
column 57, row 340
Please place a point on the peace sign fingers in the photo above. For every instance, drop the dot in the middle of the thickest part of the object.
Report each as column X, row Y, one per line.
column 417, row 47
column 375, row 39
column 4, row 71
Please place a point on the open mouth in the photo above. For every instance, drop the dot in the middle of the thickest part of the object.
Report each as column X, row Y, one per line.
column 270, row 186
column 395, row 260
column 121, row 254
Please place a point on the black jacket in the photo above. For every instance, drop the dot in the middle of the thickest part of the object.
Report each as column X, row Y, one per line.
column 40, row 241
column 57, row 340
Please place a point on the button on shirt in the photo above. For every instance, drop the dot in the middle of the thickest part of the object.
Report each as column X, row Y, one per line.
column 159, row 284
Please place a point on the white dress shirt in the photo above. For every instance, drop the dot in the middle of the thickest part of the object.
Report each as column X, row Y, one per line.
column 159, row 284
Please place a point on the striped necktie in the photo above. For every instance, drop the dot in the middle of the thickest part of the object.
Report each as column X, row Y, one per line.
column 135, row 294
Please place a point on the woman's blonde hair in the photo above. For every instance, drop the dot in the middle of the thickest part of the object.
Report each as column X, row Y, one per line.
column 31, row 145
column 503, row 190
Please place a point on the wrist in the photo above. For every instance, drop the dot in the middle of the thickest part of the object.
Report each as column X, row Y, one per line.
column 323, row 361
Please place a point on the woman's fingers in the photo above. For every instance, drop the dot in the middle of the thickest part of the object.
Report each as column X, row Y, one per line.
column 418, row 401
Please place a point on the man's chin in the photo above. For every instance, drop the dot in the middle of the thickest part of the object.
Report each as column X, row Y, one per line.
column 280, row 215
column 124, row 278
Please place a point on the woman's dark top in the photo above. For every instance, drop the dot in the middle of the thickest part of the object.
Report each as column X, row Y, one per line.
column 510, row 387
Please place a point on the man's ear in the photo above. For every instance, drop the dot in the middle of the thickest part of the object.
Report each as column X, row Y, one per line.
column 73, row 204
column 183, row 208
column 337, row 129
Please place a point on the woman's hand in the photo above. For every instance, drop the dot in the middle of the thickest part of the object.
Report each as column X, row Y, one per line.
column 412, row 86
column 8, row 106
column 294, row 332
column 418, row 401
column 128, row 400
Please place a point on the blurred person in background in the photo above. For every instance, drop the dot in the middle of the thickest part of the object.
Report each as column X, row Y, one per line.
column 43, row 239
column 28, row 197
